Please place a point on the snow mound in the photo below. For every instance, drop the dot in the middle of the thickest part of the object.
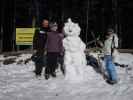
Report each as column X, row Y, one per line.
column 18, row 82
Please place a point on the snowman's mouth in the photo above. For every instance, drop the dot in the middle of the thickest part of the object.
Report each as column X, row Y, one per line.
column 70, row 30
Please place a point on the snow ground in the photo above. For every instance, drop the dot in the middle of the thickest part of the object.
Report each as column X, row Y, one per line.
column 18, row 82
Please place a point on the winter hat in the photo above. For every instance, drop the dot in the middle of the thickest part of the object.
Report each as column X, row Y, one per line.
column 110, row 30
column 53, row 25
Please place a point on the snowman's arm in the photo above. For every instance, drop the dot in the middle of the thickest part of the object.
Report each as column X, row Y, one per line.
column 82, row 46
column 65, row 44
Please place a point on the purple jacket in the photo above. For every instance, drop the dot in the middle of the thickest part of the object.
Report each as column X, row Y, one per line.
column 54, row 42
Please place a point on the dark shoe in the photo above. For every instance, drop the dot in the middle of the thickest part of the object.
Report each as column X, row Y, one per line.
column 53, row 74
column 123, row 66
column 111, row 82
column 46, row 76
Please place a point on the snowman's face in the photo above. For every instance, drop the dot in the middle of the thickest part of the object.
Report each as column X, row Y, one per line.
column 76, row 29
column 72, row 29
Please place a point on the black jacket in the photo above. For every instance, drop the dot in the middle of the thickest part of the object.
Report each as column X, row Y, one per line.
column 39, row 39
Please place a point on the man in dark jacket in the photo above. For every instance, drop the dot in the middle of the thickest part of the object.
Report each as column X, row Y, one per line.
column 39, row 41
column 54, row 48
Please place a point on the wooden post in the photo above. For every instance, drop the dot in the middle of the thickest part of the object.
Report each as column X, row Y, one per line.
column 1, row 38
column 87, row 18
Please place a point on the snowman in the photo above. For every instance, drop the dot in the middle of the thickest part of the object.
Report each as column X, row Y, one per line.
column 74, row 58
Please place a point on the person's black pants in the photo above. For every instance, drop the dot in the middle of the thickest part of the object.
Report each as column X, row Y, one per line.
column 39, row 64
column 38, row 69
column 61, row 62
column 51, row 62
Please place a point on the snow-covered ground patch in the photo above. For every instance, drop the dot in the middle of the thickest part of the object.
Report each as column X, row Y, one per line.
column 18, row 82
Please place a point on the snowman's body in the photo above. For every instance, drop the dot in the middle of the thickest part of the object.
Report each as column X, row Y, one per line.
column 74, row 59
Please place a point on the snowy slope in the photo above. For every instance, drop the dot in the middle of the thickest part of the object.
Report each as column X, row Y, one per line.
column 18, row 82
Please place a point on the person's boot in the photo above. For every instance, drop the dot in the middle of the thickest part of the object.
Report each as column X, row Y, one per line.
column 62, row 69
column 46, row 76
column 123, row 66
column 53, row 74
column 112, row 82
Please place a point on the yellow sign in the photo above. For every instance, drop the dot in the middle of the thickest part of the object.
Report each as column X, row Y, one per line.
column 24, row 36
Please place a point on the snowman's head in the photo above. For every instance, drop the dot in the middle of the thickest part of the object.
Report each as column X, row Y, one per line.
column 71, row 29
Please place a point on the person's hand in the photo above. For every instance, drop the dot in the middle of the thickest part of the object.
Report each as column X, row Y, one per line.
column 45, row 52
column 34, row 51
column 100, row 44
column 62, row 53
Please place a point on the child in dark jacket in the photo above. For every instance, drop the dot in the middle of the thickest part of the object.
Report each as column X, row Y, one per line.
column 54, row 48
